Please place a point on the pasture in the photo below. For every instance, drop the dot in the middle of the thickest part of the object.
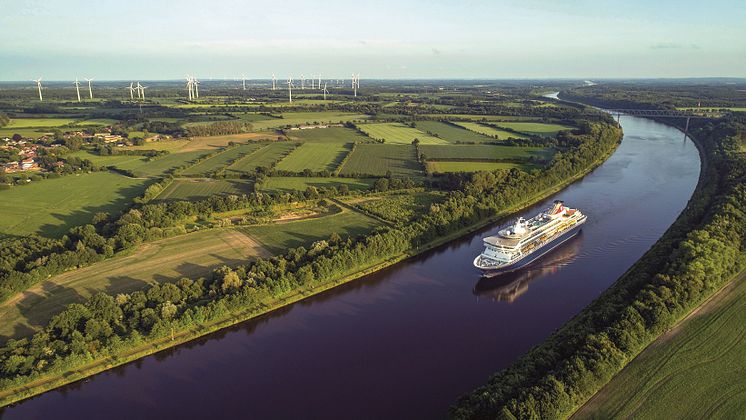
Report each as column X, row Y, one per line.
column 398, row 133
column 38, row 122
column 296, row 183
column 221, row 160
column 377, row 159
column 452, row 133
column 315, row 156
column 159, row 165
column 328, row 135
column 483, row 152
column 114, row 160
column 52, row 206
column 265, row 157
column 301, row 118
column 534, row 128
column 400, row 208
column 279, row 237
column 198, row 189
column 191, row 255
column 693, row 371
column 454, row 166
column 489, row 130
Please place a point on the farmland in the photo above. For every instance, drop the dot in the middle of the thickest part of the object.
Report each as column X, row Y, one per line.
column 693, row 371
column 52, row 206
column 489, row 130
column 378, row 159
column 399, row 208
column 192, row 255
column 483, row 152
column 451, row 132
column 266, row 157
column 398, row 133
column 280, row 236
column 221, row 160
column 39, row 122
column 160, row 165
column 296, row 183
column 314, row 156
column 537, row 129
column 328, row 135
column 454, row 166
column 197, row 189
column 300, row 118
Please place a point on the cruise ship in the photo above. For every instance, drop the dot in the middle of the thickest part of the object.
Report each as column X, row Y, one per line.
column 527, row 240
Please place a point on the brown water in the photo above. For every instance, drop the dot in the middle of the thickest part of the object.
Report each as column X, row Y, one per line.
column 407, row 341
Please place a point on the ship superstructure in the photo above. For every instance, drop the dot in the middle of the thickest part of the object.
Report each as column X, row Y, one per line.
column 526, row 240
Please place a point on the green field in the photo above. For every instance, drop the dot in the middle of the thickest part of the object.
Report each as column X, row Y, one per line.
column 39, row 122
column 377, row 159
column 399, row 208
column 52, row 206
column 192, row 255
column 483, row 152
column 198, row 189
column 451, row 166
column 118, row 161
column 300, row 118
column 279, row 237
column 452, row 133
column 537, row 129
column 398, row 133
column 25, row 132
column 474, row 117
column 695, row 371
column 221, row 160
column 296, row 183
column 266, row 157
column 328, row 135
column 315, row 156
column 490, row 131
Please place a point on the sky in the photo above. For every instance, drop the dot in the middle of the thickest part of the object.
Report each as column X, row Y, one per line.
column 468, row 39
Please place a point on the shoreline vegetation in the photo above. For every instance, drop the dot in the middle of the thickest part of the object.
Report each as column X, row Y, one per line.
column 701, row 251
column 108, row 331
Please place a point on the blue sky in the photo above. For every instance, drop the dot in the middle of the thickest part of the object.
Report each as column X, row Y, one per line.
column 153, row 39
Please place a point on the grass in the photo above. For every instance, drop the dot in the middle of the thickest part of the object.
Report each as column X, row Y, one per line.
column 451, row 166
column 300, row 118
column 221, row 160
column 328, row 135
column 538, row 129
column 117, row 160
column 279, row 237
column 25, row 132
column 398, row 133
column 266, row 157
column 489, row 130
column 452, row 133
column 474, row 117
column 399, row 208
column 190, row 189
column 192, row 255
column 39, row 122
column 294, row 183
column 315, row 156
column 377, row 159
column 52, row 206
column 483, row 152
column 162, row 164
column 694, row 371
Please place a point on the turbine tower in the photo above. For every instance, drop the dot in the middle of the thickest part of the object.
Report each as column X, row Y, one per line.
column 290, row 89
column 90, row 90
column 77, row 88
column 132, row 91
column 38, row 86
column 354, row 84
column 325, row 91
column 243, row 79
column 302, row 82
column 274, row 82
column 196, row 86
column 142, row 90
column 190, row 87
column 138, row 88
column 320, row 81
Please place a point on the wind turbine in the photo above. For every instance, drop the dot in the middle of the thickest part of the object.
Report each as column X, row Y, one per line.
column 290, row 89
column 243, row 79
column 325, row 91
column 195, row 82
column 320, row 82
column 274, row 82
column 138, row 88
column 38, row 85
column 190, row 87
column 302, row 82
column 354, row 84
column 132, row 91
column 90, row 90
column 77, row 88
column 142, row 90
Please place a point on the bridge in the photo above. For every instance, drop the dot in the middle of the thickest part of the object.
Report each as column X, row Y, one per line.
column 660, row 113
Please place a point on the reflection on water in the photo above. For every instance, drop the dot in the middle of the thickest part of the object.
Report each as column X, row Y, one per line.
column 508, row 287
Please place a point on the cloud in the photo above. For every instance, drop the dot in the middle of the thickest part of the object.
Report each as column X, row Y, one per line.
column 673, row 46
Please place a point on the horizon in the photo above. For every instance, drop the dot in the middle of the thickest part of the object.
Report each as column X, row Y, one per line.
column 448, row 41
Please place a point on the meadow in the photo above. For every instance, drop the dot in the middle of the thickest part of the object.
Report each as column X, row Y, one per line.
column 118, row 161
column 159, row 165
column 537, row 129
column 399, row 208
column 693, row 371
column 191, row 255
column 265, row 157
column 377, row 159
column 296, row 183
column 301, row 118
column 52, row 206
column 398, row 133
column 451, row 132
column 198, row 189
column 483, row 152
column 490, row 130
column 221, row 160
column 328, row 135
column 315, row 156
column 39, row 122
column 278, row 237
column 453, row 166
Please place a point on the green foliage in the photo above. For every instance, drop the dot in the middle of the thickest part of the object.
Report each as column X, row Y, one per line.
column 402, row 207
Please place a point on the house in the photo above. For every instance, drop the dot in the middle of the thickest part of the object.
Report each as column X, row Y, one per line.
column 10, row 167
column 28, row 164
